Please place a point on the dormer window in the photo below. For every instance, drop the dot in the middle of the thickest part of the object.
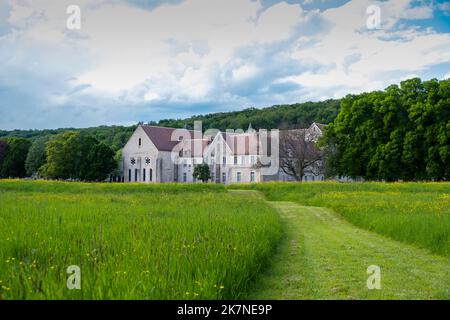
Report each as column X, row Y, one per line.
column 140, row 142
column 180, row 138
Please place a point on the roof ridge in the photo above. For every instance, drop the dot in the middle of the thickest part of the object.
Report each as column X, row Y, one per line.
column 162, row 127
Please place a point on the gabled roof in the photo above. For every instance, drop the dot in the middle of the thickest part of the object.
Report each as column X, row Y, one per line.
column 162, row 136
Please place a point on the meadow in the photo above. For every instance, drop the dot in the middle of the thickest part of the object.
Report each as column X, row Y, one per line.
column 131, row 241
column 414, row 213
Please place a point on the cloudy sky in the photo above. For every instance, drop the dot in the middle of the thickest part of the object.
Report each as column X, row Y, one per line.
column 141, row 60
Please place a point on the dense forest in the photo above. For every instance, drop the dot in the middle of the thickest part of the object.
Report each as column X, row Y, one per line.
column 401, row 133
column 281, row 116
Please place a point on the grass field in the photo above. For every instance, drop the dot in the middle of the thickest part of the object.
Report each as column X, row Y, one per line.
column 414, row 213
column 323, row 256
column 131, row 241
column 204, row 241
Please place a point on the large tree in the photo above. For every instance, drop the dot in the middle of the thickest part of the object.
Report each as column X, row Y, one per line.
column 74, row 155
column 401, row 133
column 36, row 156
column 3, row 150
column 13, row 164
column 298, row 153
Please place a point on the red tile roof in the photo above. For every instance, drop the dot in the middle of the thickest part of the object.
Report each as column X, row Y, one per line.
column 162, row 136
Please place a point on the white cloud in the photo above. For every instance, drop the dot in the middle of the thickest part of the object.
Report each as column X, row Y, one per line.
column 211, row 52
column 370, row 53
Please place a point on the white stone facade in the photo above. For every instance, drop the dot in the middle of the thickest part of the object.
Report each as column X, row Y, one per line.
column 158, row 155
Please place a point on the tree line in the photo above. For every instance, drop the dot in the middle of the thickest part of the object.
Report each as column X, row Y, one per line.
column 401, row 133
column 68, row 155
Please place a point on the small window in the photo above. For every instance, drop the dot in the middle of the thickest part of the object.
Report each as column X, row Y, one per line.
column 238, row 177
column 129, row 175
column 151, row 174
column 224, row 160
column 224, row 177
column 184, row 177
column 135, row 174
column 140, row 142
column 133, row 161
column 252, row 176
column 180, row 138
column 143, row 174
column 147, row 161
column 235, row 160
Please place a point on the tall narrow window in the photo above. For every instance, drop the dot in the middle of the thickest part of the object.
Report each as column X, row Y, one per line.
column 129, row 175
column 238, row 177
column 235, row 160
column 140, row 142
column 135, row 174
column 224, row 177
column 252, row 176
column 143, row 174
column 224, row 160
column 151, row 174
column 184, row 177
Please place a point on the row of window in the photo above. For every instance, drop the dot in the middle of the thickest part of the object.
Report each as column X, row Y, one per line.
column 144, row 175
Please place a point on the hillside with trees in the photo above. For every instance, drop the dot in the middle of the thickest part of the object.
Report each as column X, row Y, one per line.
column 295, row 115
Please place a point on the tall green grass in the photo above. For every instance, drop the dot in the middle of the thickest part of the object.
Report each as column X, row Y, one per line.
column 131, row 241
column 415, row 213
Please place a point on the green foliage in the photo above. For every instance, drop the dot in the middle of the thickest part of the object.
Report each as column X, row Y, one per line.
column 100, row 161
column 165, row 241
column 74, row 155
column 202, row 172
column 401, row 133
column 3, row 150
column 279, row 116
column 13, row 163
column 36, row 156
column 113, row 136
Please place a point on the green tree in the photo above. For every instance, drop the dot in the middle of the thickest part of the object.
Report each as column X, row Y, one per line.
column 3, row 150
column 36, row 156
column 401, row 133
column 75, row 155
column 202, row 172
column 100, row 162
column 13, row 164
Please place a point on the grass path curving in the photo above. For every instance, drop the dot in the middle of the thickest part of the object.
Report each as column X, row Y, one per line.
column 322, row 256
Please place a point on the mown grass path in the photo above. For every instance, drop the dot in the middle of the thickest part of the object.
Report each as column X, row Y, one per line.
column 322, row 256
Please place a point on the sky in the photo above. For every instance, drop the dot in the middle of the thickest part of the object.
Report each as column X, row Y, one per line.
column 144, row 60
